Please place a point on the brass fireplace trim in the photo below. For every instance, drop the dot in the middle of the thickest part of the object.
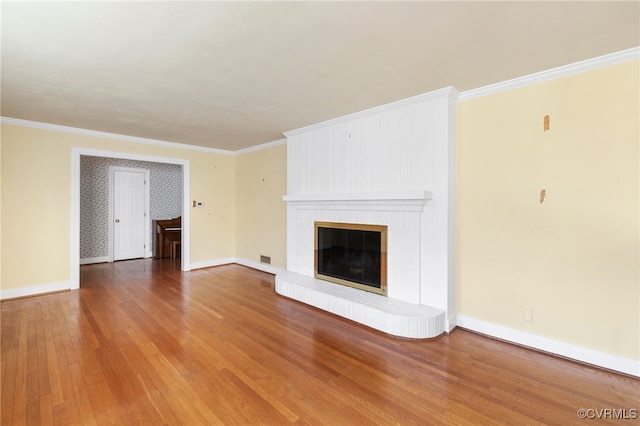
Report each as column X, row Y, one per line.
column 382, row 229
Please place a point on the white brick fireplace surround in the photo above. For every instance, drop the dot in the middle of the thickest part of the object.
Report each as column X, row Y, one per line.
column 393, row 165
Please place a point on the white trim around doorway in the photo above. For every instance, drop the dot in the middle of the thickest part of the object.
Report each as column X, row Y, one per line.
column 76, row 153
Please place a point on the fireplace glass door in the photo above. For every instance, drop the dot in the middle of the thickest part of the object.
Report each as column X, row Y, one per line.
column 352, row 254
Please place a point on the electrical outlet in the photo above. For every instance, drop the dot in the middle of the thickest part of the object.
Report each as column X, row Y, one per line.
column 527, row 315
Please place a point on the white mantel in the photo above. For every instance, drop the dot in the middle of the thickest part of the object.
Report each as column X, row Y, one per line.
column 393, row 165
column 360, row 196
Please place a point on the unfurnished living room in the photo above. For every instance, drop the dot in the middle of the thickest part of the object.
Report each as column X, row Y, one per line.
column 331, row 213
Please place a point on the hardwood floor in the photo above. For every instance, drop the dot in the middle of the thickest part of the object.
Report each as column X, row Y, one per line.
column 143, row 343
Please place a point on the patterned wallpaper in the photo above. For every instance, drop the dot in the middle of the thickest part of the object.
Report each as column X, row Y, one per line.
column 165, row 199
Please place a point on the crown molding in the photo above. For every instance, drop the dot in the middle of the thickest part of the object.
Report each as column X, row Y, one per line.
column 106, row 135
column 450, row 93
column 260, row 147
column 551, row 74
column 554, row 73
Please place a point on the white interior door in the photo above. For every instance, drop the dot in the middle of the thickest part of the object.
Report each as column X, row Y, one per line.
column 129, row 215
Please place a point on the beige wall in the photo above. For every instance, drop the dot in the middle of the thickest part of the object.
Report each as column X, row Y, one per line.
column 36, row 201
column 1, row 173
column 261, row 214
column 573, row 259
column 213, row 226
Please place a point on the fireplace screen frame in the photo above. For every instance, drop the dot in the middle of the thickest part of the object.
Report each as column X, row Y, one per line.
column 381, row 229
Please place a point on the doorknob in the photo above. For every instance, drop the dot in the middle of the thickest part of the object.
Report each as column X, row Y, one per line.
column 117, row 220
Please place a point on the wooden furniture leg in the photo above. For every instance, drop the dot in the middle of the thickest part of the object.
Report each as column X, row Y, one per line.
column 174, row 248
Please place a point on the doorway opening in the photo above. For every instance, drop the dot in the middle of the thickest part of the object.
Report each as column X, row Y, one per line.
column 77, row 154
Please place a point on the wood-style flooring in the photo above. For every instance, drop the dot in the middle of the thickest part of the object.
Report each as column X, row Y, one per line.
column 143, row 343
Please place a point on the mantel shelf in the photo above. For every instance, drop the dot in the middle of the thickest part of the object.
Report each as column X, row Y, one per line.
column 361, row 196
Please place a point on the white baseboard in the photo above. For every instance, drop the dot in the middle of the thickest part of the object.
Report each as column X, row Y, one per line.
column 211, row 263
column 65, row 285
column 578, row 353
column 13, row 293
column 451, row 323
column 260, row 266
column 244, row 262
column 90, row 260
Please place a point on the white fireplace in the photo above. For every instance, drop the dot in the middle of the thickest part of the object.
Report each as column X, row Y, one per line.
column 391, row 166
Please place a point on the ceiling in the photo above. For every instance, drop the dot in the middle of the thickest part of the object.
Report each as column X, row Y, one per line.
column 235, row 74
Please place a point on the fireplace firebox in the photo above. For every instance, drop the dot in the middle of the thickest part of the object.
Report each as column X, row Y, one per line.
column 352, row 254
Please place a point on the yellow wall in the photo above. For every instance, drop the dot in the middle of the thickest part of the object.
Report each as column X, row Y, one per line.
column 36, row 201
column 573, row 259
column 213, row 226
column 261, row 214
column 1, row 173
